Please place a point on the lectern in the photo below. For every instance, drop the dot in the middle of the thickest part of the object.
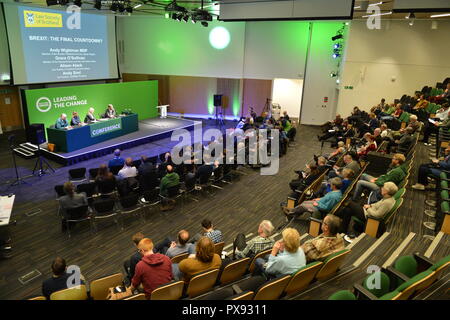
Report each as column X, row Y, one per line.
column 163, row 110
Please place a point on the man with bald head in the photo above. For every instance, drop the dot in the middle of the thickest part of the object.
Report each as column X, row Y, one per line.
column 62, row 123
column 173, row 248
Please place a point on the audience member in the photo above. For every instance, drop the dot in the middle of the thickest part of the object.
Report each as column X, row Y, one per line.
column 173, row 248
column 60, row 279
column 242, row 248
column 117, row 160
column 434, row 168
column 130, row 264
column 396, row 174
column 105, row 180
column 286, row 256
column 328, row 242
column 71, row 200
column 128, row 170
column 205, row 259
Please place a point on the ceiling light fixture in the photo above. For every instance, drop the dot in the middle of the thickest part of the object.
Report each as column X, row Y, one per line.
column 377, row 15
column 440, row 15
column 98, row 4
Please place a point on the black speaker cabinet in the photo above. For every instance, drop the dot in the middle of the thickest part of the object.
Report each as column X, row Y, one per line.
column 217, row 100
column 36, row 133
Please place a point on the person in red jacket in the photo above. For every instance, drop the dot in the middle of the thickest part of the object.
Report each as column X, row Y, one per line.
column 153, row 270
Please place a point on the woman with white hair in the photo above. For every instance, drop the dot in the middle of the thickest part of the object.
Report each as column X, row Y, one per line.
column 90, row 116
column 377, row 210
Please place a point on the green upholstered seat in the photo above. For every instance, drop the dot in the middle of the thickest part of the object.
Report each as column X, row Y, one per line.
column 440, row 263
column 342, row 295
column 399, row 193
column 357, row 220
column 413, row 280
column 389, row 296
column 331, row 256
column 384, row 284
column 444, row 195
column 445, row 207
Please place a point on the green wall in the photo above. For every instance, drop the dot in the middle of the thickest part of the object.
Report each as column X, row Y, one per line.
column 141, row 97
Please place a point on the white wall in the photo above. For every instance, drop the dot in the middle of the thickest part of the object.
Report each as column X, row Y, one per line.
column 415, row 56
column 288, row 94
column 275, row 49
column 318, row 83
column 168, row 47
column 4, row 54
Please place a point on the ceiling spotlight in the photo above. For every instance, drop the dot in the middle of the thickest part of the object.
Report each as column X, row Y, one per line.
column 77, row 3
column 411, row 16
column 336, row 55
column 52, row 3
column 336, row 37
column 167, row 15
column 121, row 7
column 137, row 6
column 129, row 9
column 204, row 23
column 336, row 46
column 193, row 20
column 186, row 18
column 98, row 4
column 411, row 23
column 333, row 74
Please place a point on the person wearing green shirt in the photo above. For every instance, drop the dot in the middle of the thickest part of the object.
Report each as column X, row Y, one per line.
column 396, row 174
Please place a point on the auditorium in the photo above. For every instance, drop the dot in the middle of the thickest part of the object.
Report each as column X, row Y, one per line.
column 265, row 152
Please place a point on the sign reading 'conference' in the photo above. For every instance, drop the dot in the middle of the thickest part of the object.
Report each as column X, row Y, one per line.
column 44, row 104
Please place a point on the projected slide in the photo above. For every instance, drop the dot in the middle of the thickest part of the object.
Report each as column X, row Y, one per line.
column 61, row 46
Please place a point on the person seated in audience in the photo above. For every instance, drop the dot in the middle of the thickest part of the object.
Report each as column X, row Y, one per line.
column 71, row 200
column 60, row 279
column 172, row 248
column 304, row 179
column 285, row 115
column 345, row 174
column 208, row 231
column 163, row 165
column 386, row 133
column 62, row 123
column 395, row 174
column 403, row 143
column 128, row 170
column 110, row 112
column 395, row 115
column 205, row 170
column 443, row 112
column 335, row 128
column 349, row 163
column 286, row 256
column 319, row 206
column 76, row 121
column 153, row 270
column 117, row 160
column 247, row 124
column 414, row 124
column 147, row 175
column 171, row 179
column 90, row 117
column 434, row 127
column 328, row 242
column 377, row 209
column 421, row 104
column 242, row 248
column 241, row 123
column 336, row 154
column 322, row 164
column 205, row 259
column 130, row 264
column 370, row 145
column 434, row 168
column 377, row 137
column 105, row 180
column 373, row 122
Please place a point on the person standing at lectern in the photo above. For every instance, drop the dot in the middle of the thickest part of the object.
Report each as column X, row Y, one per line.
column 61, row 123
column 90, row 116
column 76, row 121
column 110, row 112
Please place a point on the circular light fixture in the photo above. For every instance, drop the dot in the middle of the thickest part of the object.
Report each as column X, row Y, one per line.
column 219, row 38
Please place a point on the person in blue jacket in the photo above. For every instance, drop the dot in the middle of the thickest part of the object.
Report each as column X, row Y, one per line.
column 62, row 123
column 320, row 206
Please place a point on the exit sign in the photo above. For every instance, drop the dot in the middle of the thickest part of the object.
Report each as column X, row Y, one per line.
column 348, row 87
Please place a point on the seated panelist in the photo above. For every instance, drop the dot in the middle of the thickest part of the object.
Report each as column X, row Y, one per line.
column 76, row 121
column 110, row 112
column 90, row 116
column 61, row 123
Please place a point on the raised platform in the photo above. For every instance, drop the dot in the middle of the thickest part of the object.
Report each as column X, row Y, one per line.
column 149, row 130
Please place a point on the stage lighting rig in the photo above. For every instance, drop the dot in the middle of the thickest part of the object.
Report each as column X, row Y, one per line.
column 98, row 4
column 77, row 3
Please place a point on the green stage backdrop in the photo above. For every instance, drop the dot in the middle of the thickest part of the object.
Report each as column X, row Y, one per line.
column 46, row 105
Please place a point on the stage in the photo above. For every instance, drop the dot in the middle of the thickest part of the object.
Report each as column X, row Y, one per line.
column 149, row 130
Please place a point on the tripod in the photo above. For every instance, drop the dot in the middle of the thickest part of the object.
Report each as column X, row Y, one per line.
column 219, row 119
column 39, row 161
column 267, row 107
column 18, row 180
